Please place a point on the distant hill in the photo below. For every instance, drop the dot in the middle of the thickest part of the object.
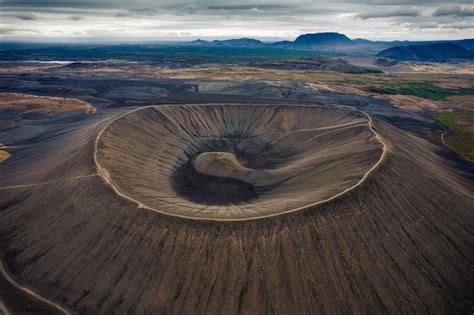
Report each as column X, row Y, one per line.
column 439, row 51
column 322, row 39
column 240, row 42
column 465, row 43
column 248, row 42
column 199, row 42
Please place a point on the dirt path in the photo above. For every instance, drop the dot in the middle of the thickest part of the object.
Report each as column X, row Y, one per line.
column 31, row 292
column 47, row 182
column 445, row 132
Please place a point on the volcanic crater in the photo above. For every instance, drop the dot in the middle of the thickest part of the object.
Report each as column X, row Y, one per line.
column 236, row 162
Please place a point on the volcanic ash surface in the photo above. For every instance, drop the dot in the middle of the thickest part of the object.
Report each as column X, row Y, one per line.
column 236, row 162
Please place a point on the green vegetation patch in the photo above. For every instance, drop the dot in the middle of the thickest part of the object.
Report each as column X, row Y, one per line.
column 351, row 81
column 461, row 137
column 423, row 89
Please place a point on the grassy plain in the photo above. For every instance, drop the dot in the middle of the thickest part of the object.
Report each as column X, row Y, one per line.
column 461, row 125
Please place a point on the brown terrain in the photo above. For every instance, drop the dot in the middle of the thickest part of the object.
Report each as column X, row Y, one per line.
column 413, row 103
column 189, row 207
column 46, row 105
column 400, row 242
column 463, row 101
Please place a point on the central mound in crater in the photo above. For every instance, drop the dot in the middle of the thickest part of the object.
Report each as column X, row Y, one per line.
column 236, row 162
column 221, row 164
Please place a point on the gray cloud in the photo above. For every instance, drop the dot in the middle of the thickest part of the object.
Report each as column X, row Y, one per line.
column 459, row 26
column 213, row 4
column 211, row 19
column 31, row 4
column 390, row 12
column 427, row 25
column 454, row 10
column 25, row 16
column 404, row 2
column 15, row 31
column 75, row 18
column 138, row 12
column 243, row 7
column 144, row 11
column 122, row 14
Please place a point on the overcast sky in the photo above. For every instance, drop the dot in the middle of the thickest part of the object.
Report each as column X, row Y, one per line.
column 143, row 20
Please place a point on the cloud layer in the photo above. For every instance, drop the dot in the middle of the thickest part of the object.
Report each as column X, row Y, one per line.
column 143, row 20
column 390, row 13
column 454, row 10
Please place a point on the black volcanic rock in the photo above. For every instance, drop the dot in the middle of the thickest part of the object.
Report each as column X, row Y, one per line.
column 322, row 39
column 441, row 51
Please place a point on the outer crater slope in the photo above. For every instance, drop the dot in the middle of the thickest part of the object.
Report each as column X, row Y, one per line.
column 236, row 162
column 402, row 242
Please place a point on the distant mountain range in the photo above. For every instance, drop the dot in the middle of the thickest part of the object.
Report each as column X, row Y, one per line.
column 440, row 51
column 241, row 42
column 308, row 40
column 244, row 50
column 331, row 43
